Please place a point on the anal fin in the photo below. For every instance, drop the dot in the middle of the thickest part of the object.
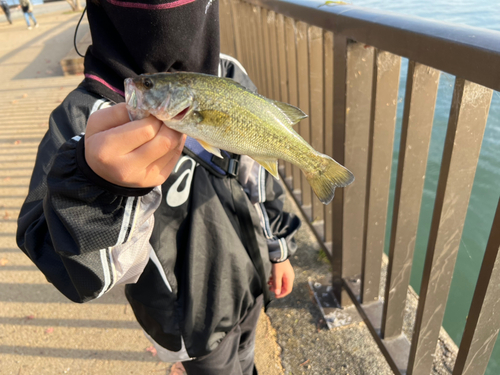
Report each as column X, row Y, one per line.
column 270, row 165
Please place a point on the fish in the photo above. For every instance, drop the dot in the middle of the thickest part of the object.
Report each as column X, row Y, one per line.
column 221, row 114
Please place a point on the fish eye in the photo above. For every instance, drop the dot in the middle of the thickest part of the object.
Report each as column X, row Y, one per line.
column 148, row 83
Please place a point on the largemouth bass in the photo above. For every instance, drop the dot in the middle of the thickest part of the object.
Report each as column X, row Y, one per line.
column 221, row 114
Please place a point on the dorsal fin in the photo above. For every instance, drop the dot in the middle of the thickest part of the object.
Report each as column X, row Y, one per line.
column 294, row 114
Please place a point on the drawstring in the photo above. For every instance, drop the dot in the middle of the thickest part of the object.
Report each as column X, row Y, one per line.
column 76, row 31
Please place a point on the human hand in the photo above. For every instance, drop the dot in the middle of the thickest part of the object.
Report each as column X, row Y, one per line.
column 127, row 153
column 281, row 280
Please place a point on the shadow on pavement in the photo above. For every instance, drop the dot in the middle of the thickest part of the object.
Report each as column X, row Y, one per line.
column 47, row 293
column 46, row 63
column 109, row 355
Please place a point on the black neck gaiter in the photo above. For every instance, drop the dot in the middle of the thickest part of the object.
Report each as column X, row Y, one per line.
column 148, row 36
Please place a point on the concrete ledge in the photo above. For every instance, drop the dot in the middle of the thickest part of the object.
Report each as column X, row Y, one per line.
column 309, row 346
column 72, row 63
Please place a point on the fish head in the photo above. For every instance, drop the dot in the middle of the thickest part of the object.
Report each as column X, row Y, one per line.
column 167, row 96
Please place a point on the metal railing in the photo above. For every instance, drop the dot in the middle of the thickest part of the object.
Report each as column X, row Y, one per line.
column 341, row 65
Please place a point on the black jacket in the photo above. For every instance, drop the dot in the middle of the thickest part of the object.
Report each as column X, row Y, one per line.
column 178, row 246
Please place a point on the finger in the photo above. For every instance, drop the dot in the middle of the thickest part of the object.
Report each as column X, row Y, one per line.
column 165, row 141
column 133, row 135
column 286, row 287
column 169, row 167
column 163, row 167
column 277, row 285
column 107, row 118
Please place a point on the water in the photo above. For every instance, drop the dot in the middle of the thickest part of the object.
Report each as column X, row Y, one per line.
column 485, row 191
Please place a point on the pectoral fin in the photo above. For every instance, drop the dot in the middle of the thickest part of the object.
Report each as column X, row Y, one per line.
column 269, row 165
column 210, row 148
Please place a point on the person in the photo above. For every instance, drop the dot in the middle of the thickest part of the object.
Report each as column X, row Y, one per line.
column 27, row 9
column 6, row 10
column 198, row 241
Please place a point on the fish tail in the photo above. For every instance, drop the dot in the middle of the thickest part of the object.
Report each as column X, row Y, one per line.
column 325, row 179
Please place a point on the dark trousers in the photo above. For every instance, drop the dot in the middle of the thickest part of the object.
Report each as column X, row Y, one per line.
column 6, row 10
column 235, row 354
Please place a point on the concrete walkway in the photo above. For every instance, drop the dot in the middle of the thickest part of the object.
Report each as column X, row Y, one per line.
column 43, row 333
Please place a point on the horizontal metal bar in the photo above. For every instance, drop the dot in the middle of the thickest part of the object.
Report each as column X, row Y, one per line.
column 468, row 52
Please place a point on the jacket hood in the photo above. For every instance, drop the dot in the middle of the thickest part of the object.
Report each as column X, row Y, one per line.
column 130, row 38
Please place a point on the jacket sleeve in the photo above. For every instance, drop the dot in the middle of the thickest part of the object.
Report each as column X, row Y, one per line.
column 82, row 232
column 279, row 226
column 268, row 197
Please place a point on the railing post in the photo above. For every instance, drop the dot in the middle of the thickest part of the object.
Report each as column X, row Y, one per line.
column 304, row 126
column 261, row 53
column 352, row 77
column 386, row 71
column 339, row 107
column 293, row 95
column 469, row 112
column 383, row 124
column 238, row 44
column 227, row 32
column 283, row 75
column 359, row 94
column 483, row 321
column 316, row 98
column 420, row 99
column 269, row 92
column 328, row 111
column 273, row 49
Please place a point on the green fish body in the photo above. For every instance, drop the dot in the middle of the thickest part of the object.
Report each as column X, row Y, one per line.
column 221, row 114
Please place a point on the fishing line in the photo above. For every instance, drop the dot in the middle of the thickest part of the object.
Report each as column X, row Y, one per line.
column 76, row 31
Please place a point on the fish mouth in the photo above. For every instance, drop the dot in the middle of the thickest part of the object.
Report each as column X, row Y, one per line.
column 133, row 101
column 180, row 116
column 130, row 94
